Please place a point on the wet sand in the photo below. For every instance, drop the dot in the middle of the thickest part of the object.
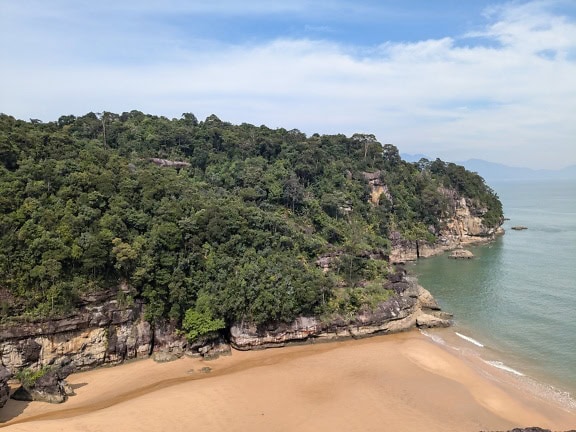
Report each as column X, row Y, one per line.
column 401, row 382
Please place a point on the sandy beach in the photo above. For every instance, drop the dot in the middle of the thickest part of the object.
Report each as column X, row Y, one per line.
column 401, row 382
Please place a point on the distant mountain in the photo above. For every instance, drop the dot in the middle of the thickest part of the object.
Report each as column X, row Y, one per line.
column 492, row 171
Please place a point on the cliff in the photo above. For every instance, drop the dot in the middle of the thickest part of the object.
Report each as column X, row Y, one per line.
column 411, row 307
column 110, row 333
column 107, row 333
column 461, row 225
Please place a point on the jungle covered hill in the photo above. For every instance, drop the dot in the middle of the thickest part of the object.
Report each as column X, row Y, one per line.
column 206, row 222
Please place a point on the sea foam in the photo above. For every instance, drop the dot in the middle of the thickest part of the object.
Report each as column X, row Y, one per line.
column 434, row 338
column 469, row 339
column 500, row 365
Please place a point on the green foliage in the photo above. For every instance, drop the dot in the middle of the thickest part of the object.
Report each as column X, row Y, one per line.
column 347, row 302
column 197, row 324
column 234, row 235
column 28, row 377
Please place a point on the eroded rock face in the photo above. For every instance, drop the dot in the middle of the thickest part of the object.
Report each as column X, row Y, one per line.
column 106, row 333
column 462, row 226
column 96, row 335
column 4, row 387
column 411, row 307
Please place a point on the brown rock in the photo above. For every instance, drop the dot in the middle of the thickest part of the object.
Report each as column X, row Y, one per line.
column 461, row 254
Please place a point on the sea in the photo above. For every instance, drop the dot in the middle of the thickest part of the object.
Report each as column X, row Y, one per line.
column 514, row 304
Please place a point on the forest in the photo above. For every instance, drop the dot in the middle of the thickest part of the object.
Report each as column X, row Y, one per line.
column 207, row 222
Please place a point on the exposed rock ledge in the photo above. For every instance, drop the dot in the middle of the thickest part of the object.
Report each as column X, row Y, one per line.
column 109, row 333
column 412, row 306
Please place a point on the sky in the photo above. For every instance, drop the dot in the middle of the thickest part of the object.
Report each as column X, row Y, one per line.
column 493, row 80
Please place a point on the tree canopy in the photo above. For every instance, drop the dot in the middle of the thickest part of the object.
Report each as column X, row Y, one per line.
column 233, row 233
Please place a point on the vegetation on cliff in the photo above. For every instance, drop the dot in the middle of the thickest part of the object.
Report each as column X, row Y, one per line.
column 231, row 232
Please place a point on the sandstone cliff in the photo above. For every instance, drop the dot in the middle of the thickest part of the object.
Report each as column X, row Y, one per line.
column 411, row 307
column 100, row 334
column 461, row 226
column 110, row 333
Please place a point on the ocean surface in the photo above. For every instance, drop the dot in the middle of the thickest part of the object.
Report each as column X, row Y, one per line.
column 514, row 304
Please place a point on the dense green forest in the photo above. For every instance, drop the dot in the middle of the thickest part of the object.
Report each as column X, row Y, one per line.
column 231, row 233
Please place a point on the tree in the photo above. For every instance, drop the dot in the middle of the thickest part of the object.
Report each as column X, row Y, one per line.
column 197, row 324
column 293, row 191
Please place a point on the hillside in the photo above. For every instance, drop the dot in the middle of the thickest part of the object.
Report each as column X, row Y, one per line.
column 496, row 172
column 206, row 223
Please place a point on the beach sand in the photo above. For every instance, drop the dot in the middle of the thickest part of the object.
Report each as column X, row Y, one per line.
column 402, row 382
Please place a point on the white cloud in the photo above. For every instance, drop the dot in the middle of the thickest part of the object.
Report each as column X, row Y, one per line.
column 505, row 102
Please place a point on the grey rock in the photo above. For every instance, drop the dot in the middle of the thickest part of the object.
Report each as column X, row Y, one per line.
column 51, row 387
column 427, row 321
column 461, row 254
column 5, row 375
column 164, row 356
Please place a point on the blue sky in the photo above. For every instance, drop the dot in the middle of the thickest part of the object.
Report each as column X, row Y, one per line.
column 453, row 79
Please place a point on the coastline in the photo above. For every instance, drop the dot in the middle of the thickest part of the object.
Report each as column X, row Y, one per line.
column 405, row 381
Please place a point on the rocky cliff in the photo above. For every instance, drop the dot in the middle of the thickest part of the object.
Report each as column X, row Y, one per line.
column 412, row 306
column 107, row 333
column 462, row 225
column 110, row 333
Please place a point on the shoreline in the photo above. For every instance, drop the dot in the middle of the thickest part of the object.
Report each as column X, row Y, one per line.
column 405, row 379
column 520, row 332
column 494, row 365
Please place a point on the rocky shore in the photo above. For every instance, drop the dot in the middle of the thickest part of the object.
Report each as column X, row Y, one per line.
column 412, row 307
column 110, row 333
column 464, row 227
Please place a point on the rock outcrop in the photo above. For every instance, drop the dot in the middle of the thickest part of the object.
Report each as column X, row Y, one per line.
column 412, row 306
column 100, row 333
column 463, row 225
column 461, row 254
column 104, row 334
column 377, row 187
column 50, row 387
column 4, row 387
column 169, row 163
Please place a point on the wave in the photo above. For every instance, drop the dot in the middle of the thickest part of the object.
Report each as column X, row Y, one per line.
column 469, row 339
column 434, row 338
column 500, row 365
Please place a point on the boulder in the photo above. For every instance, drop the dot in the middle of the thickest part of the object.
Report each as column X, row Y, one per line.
column 425, row 320
column 50, row 387
column 4, row 387
column 165, row 356
column 461, row 254
column 427, row 301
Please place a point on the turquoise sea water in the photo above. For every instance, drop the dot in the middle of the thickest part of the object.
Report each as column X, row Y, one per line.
column 518, row 296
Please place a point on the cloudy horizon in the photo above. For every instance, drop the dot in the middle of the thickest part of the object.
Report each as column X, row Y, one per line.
column 494, row 81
